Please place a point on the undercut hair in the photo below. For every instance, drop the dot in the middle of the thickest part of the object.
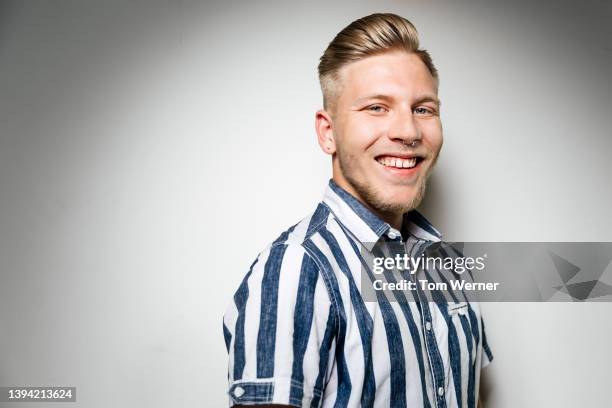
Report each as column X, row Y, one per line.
column 371, row 35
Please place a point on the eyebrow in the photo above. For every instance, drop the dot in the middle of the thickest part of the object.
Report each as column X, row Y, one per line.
column 421, row 99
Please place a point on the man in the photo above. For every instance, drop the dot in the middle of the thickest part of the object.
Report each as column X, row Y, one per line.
column 299, row 331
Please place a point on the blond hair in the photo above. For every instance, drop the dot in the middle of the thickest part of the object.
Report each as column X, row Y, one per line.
column 367, row 36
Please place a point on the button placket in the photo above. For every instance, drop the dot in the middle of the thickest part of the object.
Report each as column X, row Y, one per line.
column 431, row 345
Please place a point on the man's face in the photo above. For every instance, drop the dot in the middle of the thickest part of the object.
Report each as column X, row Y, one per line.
column 386, row 102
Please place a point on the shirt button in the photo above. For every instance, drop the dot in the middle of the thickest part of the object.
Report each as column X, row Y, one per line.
column 440, row 391
column 392, row 235
column 238, row 392
column 428, row 325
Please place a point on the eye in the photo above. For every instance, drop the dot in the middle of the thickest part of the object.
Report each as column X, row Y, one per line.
column 376, row 108
column 423, row 111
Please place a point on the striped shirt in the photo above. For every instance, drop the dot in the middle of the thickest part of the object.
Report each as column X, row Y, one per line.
column 299, row 332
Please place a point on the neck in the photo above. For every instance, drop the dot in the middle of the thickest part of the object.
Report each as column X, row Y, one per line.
column 392, row 218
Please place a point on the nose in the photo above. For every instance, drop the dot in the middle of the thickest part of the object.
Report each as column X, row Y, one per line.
column 403, row 128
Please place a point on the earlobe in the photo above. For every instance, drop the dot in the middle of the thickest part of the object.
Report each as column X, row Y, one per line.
column 330, row 143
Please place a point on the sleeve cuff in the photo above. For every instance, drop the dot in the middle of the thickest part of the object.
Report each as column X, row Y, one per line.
column 273, row 391
column 487, row 358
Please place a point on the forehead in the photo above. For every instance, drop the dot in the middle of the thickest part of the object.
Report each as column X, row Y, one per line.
column 395, row 73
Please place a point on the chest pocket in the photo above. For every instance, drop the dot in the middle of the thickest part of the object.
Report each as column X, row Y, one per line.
column 457, row 308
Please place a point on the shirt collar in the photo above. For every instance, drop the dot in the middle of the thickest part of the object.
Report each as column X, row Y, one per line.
column 367, row 227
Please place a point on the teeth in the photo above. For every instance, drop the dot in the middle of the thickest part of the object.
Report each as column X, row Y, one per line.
column 397, row 162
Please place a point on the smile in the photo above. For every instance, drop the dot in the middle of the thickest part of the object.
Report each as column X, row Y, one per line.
column 399, row 162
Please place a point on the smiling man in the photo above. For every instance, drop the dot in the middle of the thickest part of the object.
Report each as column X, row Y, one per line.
column 299, row 331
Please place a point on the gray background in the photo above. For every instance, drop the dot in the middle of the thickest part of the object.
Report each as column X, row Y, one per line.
column 148, row 151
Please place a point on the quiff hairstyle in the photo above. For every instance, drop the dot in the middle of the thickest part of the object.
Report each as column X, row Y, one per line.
column 371, row 35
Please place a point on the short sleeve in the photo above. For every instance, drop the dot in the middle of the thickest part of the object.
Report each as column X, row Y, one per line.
column 279, row 331
column 487, row 355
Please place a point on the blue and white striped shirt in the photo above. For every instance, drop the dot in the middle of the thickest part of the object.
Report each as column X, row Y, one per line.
column 299, row 332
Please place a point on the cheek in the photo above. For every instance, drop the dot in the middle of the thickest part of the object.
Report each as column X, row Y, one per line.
column 363, row 134
column 439, row 140
column 433, row 132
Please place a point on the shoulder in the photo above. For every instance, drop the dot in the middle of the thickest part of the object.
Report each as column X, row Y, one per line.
column 289, row 253
column 284, row 272
column 293, row 241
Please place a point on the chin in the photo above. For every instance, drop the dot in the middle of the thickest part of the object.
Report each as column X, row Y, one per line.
column 407, row 200
column 394, row 204
column 404, row 205
column 400, row 200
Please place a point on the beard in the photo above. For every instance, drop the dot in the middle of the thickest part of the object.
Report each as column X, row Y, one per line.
column 372, row 195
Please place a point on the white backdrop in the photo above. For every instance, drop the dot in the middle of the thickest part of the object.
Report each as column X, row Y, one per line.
column 148, row 151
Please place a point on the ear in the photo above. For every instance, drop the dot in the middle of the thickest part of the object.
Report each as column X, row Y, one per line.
column 325, row 132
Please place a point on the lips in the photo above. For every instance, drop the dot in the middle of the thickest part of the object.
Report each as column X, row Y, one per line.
column 399, row 161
